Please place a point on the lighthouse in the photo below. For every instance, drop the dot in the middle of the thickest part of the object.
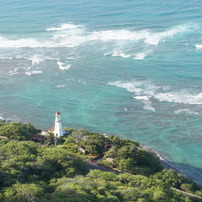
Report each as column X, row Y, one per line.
column 58, row 132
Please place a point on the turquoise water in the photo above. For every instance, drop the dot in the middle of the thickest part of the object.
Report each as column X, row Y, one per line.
column 132, row 68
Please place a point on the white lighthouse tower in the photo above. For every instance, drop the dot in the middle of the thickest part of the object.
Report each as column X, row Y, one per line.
column 58, row 132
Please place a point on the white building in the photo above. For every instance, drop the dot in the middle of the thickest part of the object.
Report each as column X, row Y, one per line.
column 58, row 131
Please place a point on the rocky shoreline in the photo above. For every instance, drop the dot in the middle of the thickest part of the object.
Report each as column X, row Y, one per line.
column 164, row 163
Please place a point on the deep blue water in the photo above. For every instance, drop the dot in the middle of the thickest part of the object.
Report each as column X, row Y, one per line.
column 132, row 68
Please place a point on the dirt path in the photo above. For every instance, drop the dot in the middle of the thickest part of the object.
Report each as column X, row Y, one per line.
column 183, row 192
column 94, row 165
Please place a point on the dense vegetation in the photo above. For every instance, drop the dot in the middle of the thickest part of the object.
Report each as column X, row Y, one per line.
column 17, row 130
column 34, row 172
column 123, row 154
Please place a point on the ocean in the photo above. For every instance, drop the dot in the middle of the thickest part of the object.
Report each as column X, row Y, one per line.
column 131, row 68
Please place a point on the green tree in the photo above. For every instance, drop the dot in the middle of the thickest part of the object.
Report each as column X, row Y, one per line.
column 119, row 142
column 57, row 162
column 133, row 159
column 23, row 193
column 173, row 178
column 18, row 131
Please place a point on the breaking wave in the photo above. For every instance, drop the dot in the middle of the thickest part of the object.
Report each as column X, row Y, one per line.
column 30, row 73
column 70, row 35
column 13, row 72
column 199, row 46
column 21, row 43
column 142, row 55
column 5, row 58
column 146, row 92
column 61, row 86
column 182, row 97
column 63, row 66
column 135, row 56
column 63, row 27
column 36, row 59
column 118, row 53
column 187, row 111
column 141, row 97
column 143, row 91
column 148, row 106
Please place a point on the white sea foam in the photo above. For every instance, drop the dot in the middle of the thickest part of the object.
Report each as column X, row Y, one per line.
column 71, row 58
column 155, row 38
column 140, row 88
column 118, row 53
column 117, row 35
column 61, row 86
column 141, row 97
column 143, row 91
column 30, row 73
column 140, row 56
column 162, row 94
column 125, row 109
column 51, row 58
column 136, row 56
column 2, row 118
column 36, row 59
column 187, row 111
column 146, row 35
column 199, row 46
column 182, row 96
column 5, row 119
column 5, row 58
column 63, row 27
column 146, row 92
column 148, row 106
column 63, row 66
column 70, row 35
column 19, row 57
column 13, row 72
column 21, row 43
column 108, row 54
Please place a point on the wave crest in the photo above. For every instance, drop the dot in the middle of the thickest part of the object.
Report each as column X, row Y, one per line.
column 70, row 35
column 187, row 111
column 63, row 66
column 199, row 46
column 146, row 92
column 30, row 73
column 65, row 26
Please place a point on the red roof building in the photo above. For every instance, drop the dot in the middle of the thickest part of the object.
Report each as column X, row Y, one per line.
column 52, row 130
